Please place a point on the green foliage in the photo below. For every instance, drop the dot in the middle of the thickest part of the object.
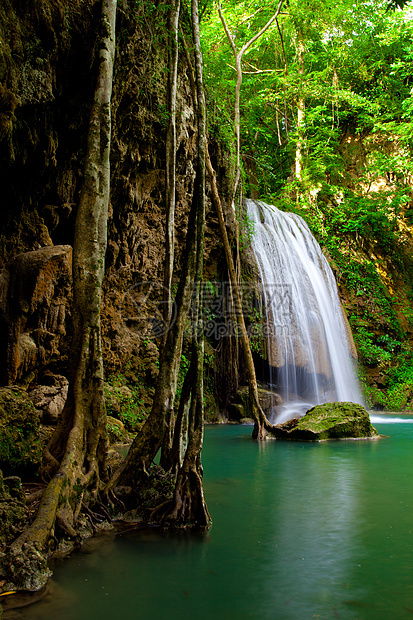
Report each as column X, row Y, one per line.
column 367, row 216
column 355, row 70
column 134, row 413
column 256, row 323
column 400, row 378
column 372, row 350
column 397, row 377
column 209, row 369
column 20, row 449
column 114, row 432
column 183, row 369
column 129, row 405
column 397, row 398
column 247, row 228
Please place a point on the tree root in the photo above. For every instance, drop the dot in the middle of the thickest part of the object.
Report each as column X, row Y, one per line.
column 50, row 465
column 159, row 513
column 113, row 500
column 187, row 509
column 67, row 528
column 105, row 512
column 34, row 496
column 93, row 517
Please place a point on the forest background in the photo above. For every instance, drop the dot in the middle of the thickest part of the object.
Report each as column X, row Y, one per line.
column 326, row 126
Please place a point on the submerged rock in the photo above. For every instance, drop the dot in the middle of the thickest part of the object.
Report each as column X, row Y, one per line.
column 328, row 421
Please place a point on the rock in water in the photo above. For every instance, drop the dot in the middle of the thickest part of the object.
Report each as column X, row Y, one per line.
column 328, row 421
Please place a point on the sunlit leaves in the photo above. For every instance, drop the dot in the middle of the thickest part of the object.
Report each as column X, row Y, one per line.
column 356, row 72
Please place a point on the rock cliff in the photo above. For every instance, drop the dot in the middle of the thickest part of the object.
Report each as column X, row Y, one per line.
column 45, row 94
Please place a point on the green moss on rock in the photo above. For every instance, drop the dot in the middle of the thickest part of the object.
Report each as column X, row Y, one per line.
column 117, row 432
column 20, row 449
column 328, row 421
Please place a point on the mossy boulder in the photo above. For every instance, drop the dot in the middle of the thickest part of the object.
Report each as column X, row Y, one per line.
column 20, row 448
column 117, row 398
column 328, row 421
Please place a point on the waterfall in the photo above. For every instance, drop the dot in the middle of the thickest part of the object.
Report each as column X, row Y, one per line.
column 309, row 342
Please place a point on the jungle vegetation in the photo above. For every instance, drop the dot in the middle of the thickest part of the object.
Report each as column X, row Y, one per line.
column 326, row 131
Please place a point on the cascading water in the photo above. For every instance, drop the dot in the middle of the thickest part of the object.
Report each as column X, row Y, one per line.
column 308, row 338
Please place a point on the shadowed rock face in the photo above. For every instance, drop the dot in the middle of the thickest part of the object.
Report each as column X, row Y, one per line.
column 268, row 400
column 45, row 95
column 328, row 421
column 13, row 510
column 35, row 292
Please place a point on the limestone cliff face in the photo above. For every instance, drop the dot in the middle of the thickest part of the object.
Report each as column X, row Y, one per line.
column 47, row 77
column 35, row 293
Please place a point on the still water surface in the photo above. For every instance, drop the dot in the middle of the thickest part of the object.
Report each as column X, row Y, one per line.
column 317, row 530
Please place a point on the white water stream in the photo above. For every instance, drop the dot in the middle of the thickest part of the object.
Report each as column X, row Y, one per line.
column 309, row 340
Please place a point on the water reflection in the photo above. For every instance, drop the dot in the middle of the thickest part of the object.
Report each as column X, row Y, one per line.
column 300, row 531
column 311, row 537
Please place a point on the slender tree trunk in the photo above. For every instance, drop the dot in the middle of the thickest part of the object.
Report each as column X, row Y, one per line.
column 77, row 451
column 334, row 102
column 238, row 66
column 261, row 422
column 173, row 23
column 188, row 508
column 300, row 115
column 285, row 75
column 147, row 443
column 180, row 440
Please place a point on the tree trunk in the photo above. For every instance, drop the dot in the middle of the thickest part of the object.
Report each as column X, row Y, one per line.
column 261, row 422
column 147, row 443
column 77, row 451
column 284, row 89
column 188, row 508
column 180, row 435
column 300, row 115
column 173, row 22
column 171, row 155
column 238, row 66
